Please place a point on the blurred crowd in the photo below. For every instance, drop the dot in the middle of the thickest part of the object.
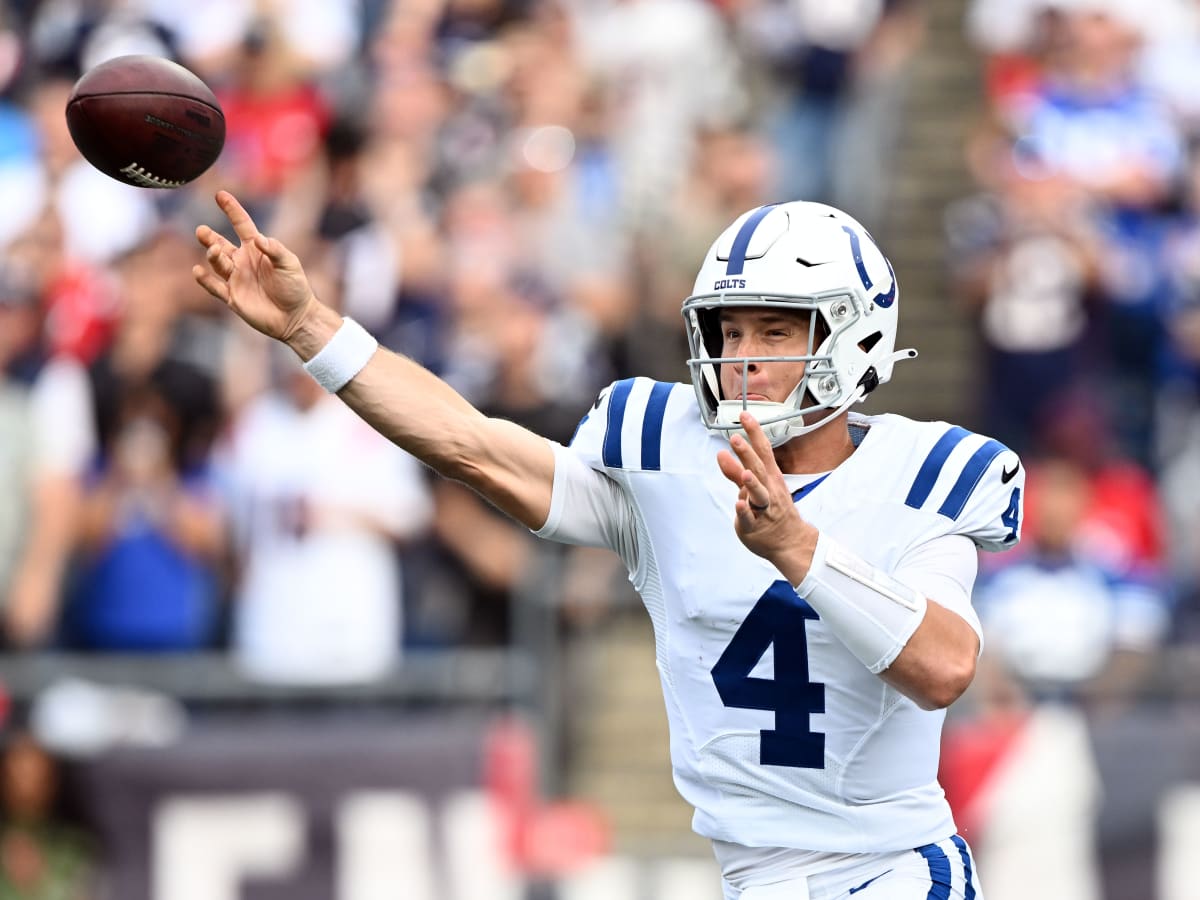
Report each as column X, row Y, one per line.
column 512, row 192
column 1078, row 257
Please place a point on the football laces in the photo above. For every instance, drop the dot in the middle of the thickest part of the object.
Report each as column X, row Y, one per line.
column 143, row 178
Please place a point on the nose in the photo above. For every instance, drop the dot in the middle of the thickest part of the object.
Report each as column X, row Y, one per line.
column 748, row 346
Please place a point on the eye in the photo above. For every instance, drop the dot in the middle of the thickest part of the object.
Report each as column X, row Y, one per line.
column 732, row 334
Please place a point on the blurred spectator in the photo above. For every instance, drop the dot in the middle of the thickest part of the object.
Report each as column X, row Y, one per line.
column 162, row 343
column 670, row 71
column 1170, row 59
column 41, row 857
column 46, row 441
column 534, row 360
column 150, row 516
column 319, row 36
column 319, row 502
column 574, row 243
column 731, row 171
column 1092, row 121
column 1067, row 637
column 1180, row 485
column 71, row 36
column 1122, row 526
column 1065, row 623
column 1018, row 39
column 20, row 169
column 1020, row 777
column 276, row 117
column 151, row 538
column 80, row 195
column 1024, row 258
column 1178, row 408
column 838, row 70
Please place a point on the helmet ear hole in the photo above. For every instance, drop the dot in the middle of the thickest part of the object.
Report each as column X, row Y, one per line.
column 868, row 343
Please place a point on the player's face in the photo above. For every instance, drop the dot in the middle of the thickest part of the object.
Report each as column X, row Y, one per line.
column 762, row 332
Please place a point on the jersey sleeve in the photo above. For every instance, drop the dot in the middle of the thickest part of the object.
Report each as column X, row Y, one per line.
column 973, row 484
column 944, row 570
column 590, row 434
column 992, row 514
column 589, row 506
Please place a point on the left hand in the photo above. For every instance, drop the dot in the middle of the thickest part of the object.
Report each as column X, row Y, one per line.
column 767, row 520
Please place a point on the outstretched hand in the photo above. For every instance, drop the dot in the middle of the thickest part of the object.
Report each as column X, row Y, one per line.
column 259, row 278
column 766, row 521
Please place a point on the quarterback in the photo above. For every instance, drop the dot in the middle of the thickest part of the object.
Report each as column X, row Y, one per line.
column 807, row 569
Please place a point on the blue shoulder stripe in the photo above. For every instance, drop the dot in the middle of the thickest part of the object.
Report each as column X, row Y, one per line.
column 611, row 452
column 971, row 473
column 652, row 426
column 928, row 474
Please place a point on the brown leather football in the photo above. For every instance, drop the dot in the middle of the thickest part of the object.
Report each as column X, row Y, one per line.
column 146, row 121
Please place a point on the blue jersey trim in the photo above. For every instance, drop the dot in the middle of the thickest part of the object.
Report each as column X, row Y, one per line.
column 956, row 500
column 652, row 426
column 932, row 467
column 575, row 433
column 939, row 872
column 805, row 490
column 741, row 243
column 611, row 453
column 965, row 855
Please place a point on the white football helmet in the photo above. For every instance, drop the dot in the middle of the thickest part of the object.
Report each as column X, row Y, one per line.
column 797, row 256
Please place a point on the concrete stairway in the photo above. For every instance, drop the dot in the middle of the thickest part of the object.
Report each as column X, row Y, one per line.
column 621, row 760
column 944, row 99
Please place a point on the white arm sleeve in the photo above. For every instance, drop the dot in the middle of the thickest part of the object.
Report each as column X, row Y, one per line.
column 874, row 613
column 944, row 570
column 589, row 508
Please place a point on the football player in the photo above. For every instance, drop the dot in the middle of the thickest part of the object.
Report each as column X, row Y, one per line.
column 808, row 570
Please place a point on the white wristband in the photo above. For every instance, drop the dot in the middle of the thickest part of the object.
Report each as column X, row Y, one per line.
column 347, row 352
column 870, row 612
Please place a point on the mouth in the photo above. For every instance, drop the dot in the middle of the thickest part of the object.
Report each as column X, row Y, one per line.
column 752, row 396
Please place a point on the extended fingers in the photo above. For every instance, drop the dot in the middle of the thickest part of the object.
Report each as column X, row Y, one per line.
column 274, row 250
column 758, row 439
column 220, row 259
column 211, row 283
column 750, row 458
column 242, row 224
column 754, row 492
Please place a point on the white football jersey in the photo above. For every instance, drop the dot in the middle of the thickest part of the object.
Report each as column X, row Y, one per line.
column 779, row 736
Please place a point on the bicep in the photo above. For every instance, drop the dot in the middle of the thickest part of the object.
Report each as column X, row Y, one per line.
column 508, row 465
column 514, row 470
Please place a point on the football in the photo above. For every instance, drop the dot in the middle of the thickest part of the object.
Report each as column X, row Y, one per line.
column 146, row 121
